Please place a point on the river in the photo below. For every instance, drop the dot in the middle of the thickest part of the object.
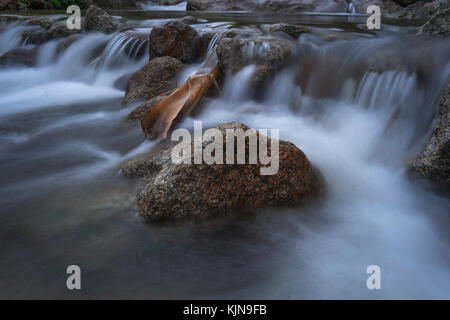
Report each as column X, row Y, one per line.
column 64, row 201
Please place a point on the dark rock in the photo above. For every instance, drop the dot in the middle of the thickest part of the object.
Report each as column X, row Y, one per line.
column 201, row 190
column 36, row 35
column 221, row 5
column 113, row 4
column 438, row 24
column 405, row 3
column 433, row 163
column 417, row 10
column 268, row 5
column 45, row 22
column 7, row 5
column 176, row 39
column 302, row 6
column 20, row 56
column 169, row 2
column 99, row 20
column 152, row 79
column 266, row 53
column 65, row 43
column 291, row 29
column 189, row 20
column 59, row 30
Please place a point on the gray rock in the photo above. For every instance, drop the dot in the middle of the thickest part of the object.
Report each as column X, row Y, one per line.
column 438, row 24
column 36, row 35
column 59, row 30
column 99, row 20
column 433, row 163
column 291, row 29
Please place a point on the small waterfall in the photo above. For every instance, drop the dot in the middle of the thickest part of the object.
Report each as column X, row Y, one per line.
column 12, row 38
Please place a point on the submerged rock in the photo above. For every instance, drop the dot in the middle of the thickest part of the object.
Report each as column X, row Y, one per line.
column 152, row 79
column 200, row 190
column 20, row 56
column 99, row 20
column 176, row 39
column 266, row 53
column 433, row 163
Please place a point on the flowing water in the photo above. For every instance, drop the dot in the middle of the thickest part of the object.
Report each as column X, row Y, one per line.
column 64, row 201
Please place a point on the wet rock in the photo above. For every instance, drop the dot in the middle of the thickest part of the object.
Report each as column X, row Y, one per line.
column 291, row 29
column 201, row 190
column 302, row 6
column 176, row 39
column 389, row 8
column 189, row 20
column 405, row 3
column 153, row 79
column 386, row 60
column 20, row 56
column 122, row 82
column 243, row 31
column 59, row 30
column 45, row 22
column 65, row 43
column 221, row 5
column 139, row 112
column 438, row 24
column 113, row 4
column 266, row 53
column 169, row 2
column 268, row 5
column 433, row 163
column 99, row 20
column 36, row 35
column 336, row 37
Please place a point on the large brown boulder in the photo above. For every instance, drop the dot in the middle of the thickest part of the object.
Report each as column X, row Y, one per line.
column 266, row 53
column 153, row 79
column 176, row 39
column 99, row 20
column 199, row 190
column 433, row 163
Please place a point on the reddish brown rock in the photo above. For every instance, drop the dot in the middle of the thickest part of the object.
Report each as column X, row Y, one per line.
column 200, row 190
column 176, row 39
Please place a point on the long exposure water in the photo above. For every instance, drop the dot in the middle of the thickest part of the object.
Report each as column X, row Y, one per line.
column 64, row 201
